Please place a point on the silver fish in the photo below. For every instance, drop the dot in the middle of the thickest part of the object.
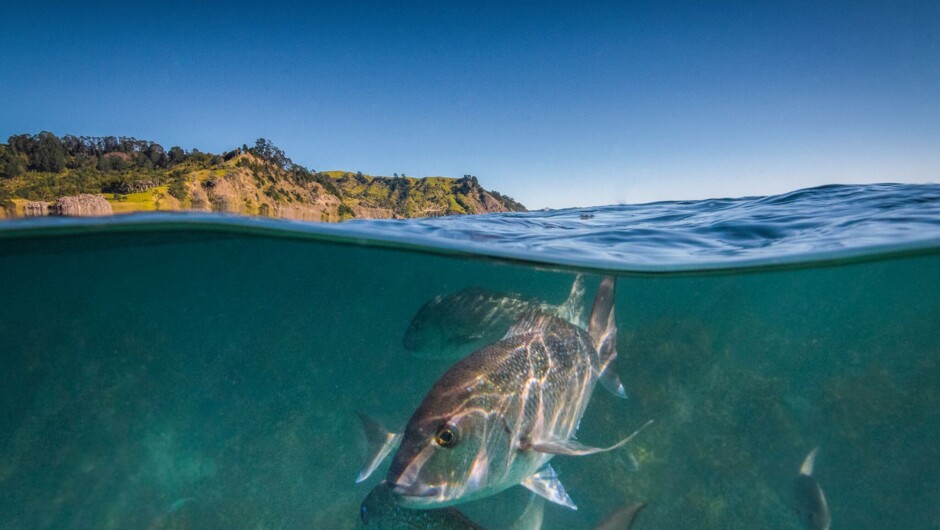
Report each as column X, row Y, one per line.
column 381, row 511
column 452, row 326
column 809, row 499
column 498, row 416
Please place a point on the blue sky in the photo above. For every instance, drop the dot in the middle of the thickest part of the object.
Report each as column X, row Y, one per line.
column 556, row 104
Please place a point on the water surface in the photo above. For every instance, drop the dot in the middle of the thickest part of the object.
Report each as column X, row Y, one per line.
column 202, row 371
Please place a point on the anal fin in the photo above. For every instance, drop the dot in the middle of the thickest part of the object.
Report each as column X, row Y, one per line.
column 545, row 483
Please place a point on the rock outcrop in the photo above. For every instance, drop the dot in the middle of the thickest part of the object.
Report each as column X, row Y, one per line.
column 85, row 205
column 35, row 209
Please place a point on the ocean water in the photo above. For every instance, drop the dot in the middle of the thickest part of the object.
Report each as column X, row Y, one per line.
column 192, row 371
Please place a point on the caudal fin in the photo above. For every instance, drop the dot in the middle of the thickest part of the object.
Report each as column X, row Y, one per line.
column 603, row 330
column 602, row 327
column 809, row 462
column 623, row 518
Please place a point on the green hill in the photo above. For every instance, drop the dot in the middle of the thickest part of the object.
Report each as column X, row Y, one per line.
column 43, row 174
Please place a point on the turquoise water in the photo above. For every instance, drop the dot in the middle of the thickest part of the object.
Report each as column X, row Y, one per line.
column 204, row 372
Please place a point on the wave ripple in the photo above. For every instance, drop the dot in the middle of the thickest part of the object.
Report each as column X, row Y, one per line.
column 809, row 226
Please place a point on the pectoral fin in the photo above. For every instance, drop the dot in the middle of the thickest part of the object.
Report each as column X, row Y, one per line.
column 545, row 483
column 379, row 442
column 575, row 448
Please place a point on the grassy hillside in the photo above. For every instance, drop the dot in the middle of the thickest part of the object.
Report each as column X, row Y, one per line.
column 135, row 175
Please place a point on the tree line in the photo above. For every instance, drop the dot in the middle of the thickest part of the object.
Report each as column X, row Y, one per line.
column 69, row 165
column 47, row 153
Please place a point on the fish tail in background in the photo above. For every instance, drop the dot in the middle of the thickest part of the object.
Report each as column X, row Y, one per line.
column 623, row 518
column 379, row 443
column 809, row 463
column 810, row 501
column 603, row 330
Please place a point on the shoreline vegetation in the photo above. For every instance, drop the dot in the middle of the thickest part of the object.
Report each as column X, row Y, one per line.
column 43, row 174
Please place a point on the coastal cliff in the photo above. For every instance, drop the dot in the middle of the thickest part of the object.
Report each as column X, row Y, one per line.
column 45, row 175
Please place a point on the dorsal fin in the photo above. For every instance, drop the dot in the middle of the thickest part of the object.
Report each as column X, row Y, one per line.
column 572, row 309
column 532, row 319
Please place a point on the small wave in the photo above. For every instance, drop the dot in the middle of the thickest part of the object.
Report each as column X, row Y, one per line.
column 827, row 223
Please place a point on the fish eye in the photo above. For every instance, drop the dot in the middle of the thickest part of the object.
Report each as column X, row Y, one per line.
column 446, row 437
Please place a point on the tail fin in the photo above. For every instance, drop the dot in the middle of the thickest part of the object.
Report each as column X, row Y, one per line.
column 809, row 462
column 623, row 518
column 603, row 330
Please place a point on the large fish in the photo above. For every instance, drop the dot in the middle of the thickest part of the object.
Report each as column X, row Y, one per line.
column 810, row 502
column 498, row 416
column 454, row 325
column 380, row 511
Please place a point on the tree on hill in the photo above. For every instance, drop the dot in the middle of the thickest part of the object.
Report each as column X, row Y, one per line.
column 157, row 155
column 176, row 155
column 11, row 164
column 20, row 143
column 267, row 151
column 47, row 154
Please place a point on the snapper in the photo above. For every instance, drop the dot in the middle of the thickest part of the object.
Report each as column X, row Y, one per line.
column 380, row 511
column 451, row 326
column 498, row 416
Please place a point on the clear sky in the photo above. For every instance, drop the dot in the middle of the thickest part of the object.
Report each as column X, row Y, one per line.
column 555, row 104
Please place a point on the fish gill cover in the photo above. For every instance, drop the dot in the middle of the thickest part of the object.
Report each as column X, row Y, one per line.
column 827, row 223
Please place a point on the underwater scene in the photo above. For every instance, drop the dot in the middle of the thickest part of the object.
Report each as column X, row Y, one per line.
column 198, row 371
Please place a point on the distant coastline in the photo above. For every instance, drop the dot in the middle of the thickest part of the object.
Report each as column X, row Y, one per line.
column 43, row 174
